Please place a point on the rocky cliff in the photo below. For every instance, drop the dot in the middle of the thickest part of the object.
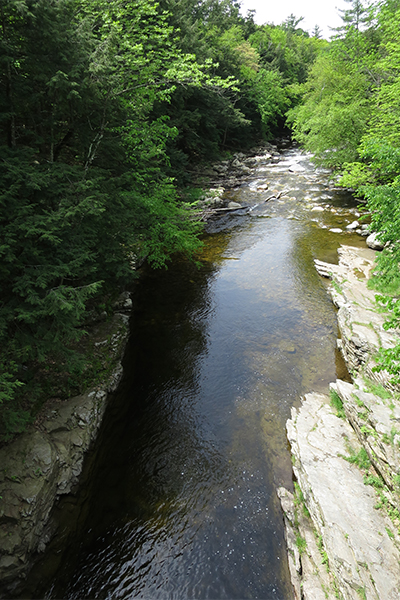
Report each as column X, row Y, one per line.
column 342, row 523
column 45, row 462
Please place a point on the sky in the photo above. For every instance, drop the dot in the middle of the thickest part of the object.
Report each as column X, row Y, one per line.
column 315, row 12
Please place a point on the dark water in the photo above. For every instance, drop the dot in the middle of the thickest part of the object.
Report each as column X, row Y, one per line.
column 181, row 500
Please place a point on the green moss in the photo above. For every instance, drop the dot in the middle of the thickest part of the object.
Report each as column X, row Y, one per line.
column 390, row 533
column 361, row 459
column 324, row 554
column 369, row 431
column 377, row 389
column 337, row 404
column 361, row 593
column 300, row 501
column 357, row 400
column 336, row 285
column 373, row 480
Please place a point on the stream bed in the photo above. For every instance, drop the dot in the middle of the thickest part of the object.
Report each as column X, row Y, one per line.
column 179, row 500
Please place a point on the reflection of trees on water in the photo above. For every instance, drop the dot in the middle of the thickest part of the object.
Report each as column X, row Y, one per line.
column 152, row 450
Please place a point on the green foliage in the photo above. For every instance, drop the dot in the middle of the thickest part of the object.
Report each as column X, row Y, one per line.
column 390, row 533
column 373, row 480
column 301, row 544
column 361, row 459
column 337, row 403
column 389, row 360
column 331, row 119
column 362, row 593
column 324, row 554
column 377, row 389
column 84, row 185
column 103, row 106
column 271, row 98
column 299, row 499
column 287, row 49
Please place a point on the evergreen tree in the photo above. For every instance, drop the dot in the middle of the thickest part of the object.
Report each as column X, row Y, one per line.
column 84, row 188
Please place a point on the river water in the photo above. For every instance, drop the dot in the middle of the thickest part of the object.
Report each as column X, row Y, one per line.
column 181, row 499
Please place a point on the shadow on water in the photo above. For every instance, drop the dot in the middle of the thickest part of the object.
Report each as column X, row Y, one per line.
column 179, row 500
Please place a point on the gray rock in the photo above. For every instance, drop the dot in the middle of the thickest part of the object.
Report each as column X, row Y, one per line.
column 352, row 226
column 46, row 462
column 124, row 302
column 372, row 418
column 232, row 205
column 360, row 542
column 236, row 164
column 296, row 168
column 263, row 157
column 221, row 168
column 373, row 242
column 362, row 554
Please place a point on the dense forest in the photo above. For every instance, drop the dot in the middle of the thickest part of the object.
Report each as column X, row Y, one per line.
column 106, row 107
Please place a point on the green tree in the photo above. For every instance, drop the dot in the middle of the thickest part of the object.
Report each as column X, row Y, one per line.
column 332, row 117
column 84, row 186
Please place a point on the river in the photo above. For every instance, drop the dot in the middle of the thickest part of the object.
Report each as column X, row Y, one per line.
column 180, row 499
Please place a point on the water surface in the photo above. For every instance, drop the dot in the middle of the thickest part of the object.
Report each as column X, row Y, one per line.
column 181, row 502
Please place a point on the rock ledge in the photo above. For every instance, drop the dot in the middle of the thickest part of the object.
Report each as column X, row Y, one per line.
column 45, row 462
column 342, row 523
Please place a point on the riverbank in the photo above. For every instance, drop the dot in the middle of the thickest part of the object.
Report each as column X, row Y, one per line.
column 282, row 192
column 46, row 461
column 342, row 523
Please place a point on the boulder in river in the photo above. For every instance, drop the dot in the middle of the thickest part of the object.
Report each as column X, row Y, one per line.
column 352, row 226
column 296, row 168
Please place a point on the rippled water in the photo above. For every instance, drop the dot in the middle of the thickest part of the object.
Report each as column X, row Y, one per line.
column 180, row 501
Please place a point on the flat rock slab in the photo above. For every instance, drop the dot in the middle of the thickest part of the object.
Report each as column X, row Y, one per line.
column 361, row 542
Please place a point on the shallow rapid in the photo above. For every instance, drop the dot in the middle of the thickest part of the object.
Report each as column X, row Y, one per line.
column 180, row 497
